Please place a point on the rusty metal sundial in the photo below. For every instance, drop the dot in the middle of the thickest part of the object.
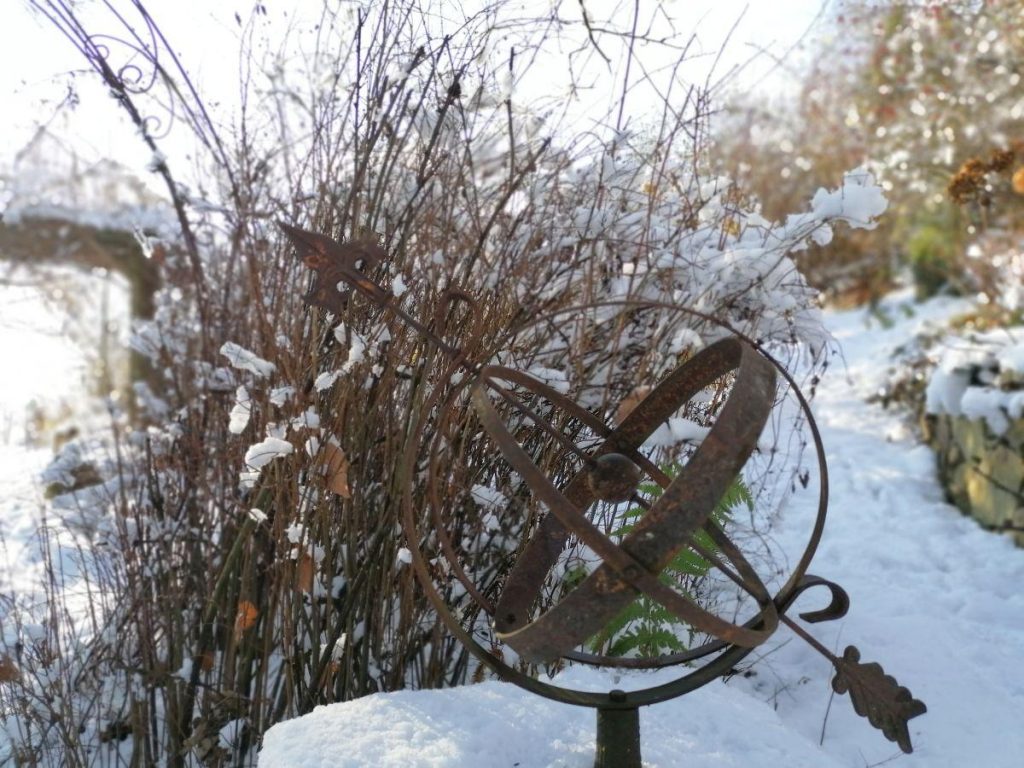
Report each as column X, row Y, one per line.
column 609, row 468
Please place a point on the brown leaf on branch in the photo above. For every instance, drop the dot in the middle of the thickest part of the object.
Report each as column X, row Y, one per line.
column 335, row 465
column 1018, row 181
column 8, row 670
column 877, row 696
column 630, row 402
column 304, row 572
column 245, row 619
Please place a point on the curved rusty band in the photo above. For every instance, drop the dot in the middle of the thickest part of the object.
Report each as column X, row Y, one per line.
column 725, row 655
column 579, row 491
column 631, row 567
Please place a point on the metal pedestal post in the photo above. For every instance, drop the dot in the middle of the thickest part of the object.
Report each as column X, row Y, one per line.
column 618, row 735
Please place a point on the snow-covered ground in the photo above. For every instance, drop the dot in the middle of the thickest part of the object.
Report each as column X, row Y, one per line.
column 20, row 506
column 45, row 370
column 42, row 365
column 935, row 599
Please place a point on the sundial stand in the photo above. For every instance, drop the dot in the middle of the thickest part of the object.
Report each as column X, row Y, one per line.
column 611, row 472
column 618, row 733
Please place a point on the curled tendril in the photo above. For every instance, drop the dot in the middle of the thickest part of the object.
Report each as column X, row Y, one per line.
column 140, row 75
column 131, row 76
column 134, row 77
column 155, row 127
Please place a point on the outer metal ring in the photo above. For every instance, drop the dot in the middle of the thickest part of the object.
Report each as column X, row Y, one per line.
column 729, row 654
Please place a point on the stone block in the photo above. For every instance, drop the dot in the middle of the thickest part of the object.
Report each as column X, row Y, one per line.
column 1018, row 526
column 971, row 437
column 983, row 474
column 1014, row 436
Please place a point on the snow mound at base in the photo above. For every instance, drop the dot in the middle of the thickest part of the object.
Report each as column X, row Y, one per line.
column 496, row 725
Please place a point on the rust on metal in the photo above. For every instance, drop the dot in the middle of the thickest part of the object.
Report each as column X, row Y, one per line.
column 609, row 472
column 684, row 506
column 613, row 478
column 877, row 696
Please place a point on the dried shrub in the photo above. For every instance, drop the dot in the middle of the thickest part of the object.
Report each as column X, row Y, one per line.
column 244, row 552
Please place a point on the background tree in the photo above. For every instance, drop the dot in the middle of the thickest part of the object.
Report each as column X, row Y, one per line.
column 919, row 90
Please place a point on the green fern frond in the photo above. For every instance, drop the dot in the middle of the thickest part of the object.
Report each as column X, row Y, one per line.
column 646, row 627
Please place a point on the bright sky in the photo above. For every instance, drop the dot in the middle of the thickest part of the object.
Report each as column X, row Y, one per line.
column 33, row 55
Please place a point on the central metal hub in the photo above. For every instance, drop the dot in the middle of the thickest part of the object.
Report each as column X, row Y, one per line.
column 613, row 478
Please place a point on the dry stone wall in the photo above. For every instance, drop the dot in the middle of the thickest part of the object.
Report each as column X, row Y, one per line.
column 983, row 473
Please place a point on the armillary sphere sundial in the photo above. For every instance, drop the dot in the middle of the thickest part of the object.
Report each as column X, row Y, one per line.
column 610, row 465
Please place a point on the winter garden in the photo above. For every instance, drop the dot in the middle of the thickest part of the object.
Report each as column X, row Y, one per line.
column 258, row 258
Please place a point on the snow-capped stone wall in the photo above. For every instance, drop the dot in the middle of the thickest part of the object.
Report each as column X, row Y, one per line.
column 975, row 422
column 982, row 473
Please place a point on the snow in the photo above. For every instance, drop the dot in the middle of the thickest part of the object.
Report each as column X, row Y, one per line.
column 231, row 733
column 308, row 419
column 859, row 201
column 257, row 515
column 988, row 359
column 986, row 403
column 1011, row 357
column 398, row 287
column 240, row 412
column 244, row 360
column 295, row 533
column 45, row 366
column 685, row 339
column 935, row 599
column 124, row 219
column 555, row 379
column 326, row 380
column 677, row 430
column 489, row 497
column 265, row 451
column 281, row 395
column 494, row 724
column 20, row 504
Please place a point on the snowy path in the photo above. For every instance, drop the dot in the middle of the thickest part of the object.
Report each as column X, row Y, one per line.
column 45, row 367
column 20, row 505
column 935, row 599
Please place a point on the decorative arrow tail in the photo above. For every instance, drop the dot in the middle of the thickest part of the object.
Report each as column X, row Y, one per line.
column 877, row 696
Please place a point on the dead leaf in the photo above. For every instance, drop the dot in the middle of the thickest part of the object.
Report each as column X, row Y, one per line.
column 304, row 570
column 8, row 671
column 245, row 619
column 206, row 661
column 1018, row 181
column 335, row 465
column 631, row 401
column 329, row 674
